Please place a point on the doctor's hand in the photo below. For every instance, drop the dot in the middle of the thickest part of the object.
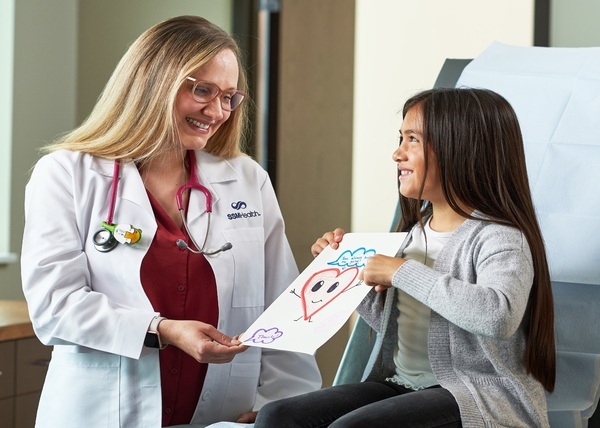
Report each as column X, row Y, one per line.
column 247, row 418
column 329, row 238
column 379, row 271
column 202, row 341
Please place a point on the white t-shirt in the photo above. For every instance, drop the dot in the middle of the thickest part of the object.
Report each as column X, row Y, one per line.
column 410, row 355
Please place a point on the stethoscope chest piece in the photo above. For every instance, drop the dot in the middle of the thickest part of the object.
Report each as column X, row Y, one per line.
column 104, row 241
column 107, row 238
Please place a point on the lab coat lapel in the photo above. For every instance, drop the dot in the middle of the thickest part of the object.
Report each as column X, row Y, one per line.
column 132, row 203
column 212, row 170
column 132, row 188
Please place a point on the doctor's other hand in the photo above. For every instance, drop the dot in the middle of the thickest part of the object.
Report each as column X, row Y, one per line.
column 202, row 341
column 329, row 238
column 379, row 271
column 247, row 418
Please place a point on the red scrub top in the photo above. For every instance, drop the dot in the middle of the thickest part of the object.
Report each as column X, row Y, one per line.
column 181, row 286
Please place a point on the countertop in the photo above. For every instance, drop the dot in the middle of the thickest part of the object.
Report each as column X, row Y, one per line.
column 14, row 320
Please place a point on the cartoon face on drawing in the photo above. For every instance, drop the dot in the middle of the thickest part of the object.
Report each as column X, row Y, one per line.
column 323, row 287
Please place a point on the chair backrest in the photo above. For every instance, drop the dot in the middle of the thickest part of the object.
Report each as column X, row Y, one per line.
column 556, row 94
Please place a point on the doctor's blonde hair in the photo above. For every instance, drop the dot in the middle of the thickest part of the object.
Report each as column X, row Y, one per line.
column 134, row 118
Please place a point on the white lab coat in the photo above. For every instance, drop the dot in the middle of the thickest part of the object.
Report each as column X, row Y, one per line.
column 92, row 308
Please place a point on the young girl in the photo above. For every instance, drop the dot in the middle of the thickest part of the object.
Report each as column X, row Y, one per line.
column 465, row 324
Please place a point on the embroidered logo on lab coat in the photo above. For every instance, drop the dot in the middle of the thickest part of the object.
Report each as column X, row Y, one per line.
column 240, row 205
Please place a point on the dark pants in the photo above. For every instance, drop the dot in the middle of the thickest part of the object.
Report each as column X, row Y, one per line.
column 364, row 405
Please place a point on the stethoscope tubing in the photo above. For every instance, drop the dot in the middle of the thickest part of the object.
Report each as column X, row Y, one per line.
column 113, row 191
column 194, row 183
column 104, row 240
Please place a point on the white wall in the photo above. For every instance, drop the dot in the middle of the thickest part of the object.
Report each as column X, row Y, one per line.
column 43, row 102
column 64, row 51
column 400, row 47
column 108, row 27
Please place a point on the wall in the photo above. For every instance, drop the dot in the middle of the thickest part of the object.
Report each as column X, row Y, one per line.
column 107, row 28
column 7, row 21
column 574, row 23
column 400, row 47
column 43, row 102
column 64, row 53
column 315, row 116
column 314, row 175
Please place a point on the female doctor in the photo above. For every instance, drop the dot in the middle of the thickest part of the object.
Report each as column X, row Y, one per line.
column 151, row 241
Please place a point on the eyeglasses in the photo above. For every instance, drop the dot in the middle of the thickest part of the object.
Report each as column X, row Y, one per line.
column 205, row 92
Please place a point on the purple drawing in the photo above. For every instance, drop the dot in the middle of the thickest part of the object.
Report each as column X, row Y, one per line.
column 265, row 336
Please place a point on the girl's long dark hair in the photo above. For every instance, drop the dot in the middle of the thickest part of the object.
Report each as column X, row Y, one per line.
column 477, row 142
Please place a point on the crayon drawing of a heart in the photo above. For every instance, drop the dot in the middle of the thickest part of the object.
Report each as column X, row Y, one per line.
column 323, row 287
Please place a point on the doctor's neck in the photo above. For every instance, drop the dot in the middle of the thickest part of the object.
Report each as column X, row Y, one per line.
column 172, row 160
column 171, row 166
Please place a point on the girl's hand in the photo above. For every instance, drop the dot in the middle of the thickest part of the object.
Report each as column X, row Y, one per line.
column 329, row 238
column 379, row 271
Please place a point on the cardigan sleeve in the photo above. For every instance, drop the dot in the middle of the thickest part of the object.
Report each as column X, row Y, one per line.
column 481, row 281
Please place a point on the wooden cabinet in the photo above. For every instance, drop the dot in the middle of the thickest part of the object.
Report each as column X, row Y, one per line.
column 23, row 364
column 7, row 381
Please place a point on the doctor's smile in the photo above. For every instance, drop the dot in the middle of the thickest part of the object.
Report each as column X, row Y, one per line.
column 197, row 124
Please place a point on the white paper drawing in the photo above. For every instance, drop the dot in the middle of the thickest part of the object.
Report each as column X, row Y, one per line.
column 318, row 303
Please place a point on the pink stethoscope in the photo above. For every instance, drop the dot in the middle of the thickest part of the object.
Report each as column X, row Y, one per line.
column 107, row 238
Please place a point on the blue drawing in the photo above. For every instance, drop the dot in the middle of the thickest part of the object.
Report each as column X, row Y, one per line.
column 356, row 258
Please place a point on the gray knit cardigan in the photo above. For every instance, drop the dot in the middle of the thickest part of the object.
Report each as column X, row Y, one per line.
column 478, row 294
